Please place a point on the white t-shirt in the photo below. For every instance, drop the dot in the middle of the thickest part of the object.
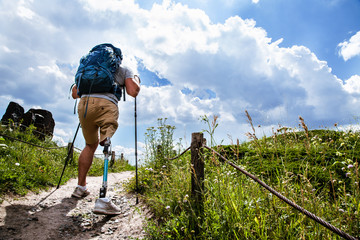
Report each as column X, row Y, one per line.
column 121, row 74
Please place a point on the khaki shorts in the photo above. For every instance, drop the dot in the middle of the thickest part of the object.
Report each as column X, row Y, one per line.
column 101, row 114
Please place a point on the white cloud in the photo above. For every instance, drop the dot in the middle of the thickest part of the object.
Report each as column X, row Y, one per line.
column 128, row 153
column 8, row 50
column 255, row 1
column 174, row 28
column 6, row 99
column 352, row 85
column 167, row 101
column 236, row 61
column 124, row 6
column 60, row 137
column 351, row 48
column 53, row 70
column 24, row 12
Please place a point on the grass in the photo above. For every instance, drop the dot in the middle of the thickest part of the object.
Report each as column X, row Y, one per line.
column 24, row 167
column 318, row 170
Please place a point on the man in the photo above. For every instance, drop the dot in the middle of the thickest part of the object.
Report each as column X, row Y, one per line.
column 98, row 112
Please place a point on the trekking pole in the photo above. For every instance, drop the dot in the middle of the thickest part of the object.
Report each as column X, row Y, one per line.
column 136, row 159
column 68, row 156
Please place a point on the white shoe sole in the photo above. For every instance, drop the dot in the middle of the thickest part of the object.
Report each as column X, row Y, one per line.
column 105, row 212
column 79, row 196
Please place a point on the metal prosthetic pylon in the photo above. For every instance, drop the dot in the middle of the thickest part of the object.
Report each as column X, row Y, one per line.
column 106, row 151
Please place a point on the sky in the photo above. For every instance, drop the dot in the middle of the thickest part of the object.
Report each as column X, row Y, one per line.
column 276, row 59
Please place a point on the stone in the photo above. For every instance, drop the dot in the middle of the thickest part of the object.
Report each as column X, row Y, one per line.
column 13, row 112
column 42, row 120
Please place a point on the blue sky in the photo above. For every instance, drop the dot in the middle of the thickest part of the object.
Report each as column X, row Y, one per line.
column 277, row 59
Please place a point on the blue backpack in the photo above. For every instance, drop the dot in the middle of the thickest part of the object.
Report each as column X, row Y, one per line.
column 97, row 69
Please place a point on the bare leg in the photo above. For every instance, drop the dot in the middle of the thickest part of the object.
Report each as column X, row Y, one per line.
column 85, row 161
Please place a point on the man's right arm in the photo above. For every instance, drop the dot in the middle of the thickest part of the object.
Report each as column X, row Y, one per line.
column 132, row 86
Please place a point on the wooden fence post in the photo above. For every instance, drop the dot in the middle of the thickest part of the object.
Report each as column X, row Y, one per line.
column 197, row 176
column 112, row 161
column 71, row 152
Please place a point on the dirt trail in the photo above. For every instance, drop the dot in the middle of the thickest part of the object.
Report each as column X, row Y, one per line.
column 55, row 215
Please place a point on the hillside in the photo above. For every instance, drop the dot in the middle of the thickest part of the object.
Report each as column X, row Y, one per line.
column 318, row 170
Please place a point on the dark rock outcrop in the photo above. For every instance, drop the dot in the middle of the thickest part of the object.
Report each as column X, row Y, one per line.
column 40, row 118
column 14, row 112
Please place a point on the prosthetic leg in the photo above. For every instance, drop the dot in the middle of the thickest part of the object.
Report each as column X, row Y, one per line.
column 104, row 205
column 106, row 152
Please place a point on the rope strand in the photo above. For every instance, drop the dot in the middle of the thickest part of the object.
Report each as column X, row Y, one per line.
column 180, row 154
column 35, row 145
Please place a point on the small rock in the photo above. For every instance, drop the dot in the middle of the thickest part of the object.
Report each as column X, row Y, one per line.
column 86, row 224
column 33, row 219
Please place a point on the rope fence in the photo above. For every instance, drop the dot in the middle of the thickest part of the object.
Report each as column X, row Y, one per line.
column 52, row 148
column 35, row 145
column 277, row 194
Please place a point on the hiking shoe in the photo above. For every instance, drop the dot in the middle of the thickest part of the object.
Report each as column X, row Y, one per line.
column 79, row 193
column 105, row 206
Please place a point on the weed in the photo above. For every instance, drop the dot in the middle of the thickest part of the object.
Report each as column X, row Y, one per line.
column 159, row 144
column 211, row 127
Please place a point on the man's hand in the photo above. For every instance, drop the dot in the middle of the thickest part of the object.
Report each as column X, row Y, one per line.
column 74, row 92
column 132, row 86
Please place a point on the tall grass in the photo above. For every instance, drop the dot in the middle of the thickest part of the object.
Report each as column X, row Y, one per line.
column 318, row 169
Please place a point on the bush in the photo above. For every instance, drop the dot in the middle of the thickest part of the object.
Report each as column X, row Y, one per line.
column 25, row 167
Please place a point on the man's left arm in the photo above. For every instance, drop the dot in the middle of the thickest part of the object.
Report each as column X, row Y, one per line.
column 74, row 92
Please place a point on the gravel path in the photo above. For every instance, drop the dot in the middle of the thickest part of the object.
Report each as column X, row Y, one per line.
column 54, row 214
